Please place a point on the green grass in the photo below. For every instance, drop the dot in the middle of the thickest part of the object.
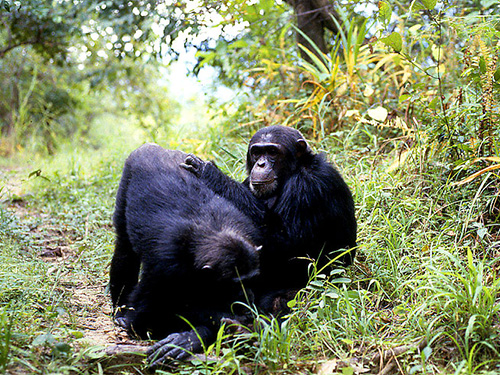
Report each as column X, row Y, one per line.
column 425, row 279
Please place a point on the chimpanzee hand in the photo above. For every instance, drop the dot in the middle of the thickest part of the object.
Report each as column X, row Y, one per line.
column 194, row 165
column 175, row 346
column 120, row 317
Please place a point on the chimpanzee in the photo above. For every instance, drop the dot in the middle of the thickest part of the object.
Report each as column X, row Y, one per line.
column 304, row 207
column 181, row 251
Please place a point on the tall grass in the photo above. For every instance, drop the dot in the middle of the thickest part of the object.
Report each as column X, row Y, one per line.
column 425, row 272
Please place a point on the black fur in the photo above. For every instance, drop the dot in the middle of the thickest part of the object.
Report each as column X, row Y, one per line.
column 307, row 213
column 181, row 250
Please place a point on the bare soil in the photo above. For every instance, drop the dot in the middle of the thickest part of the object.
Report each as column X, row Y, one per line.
column 90, row 305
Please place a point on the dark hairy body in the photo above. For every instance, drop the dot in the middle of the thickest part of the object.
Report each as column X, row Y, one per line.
column 304, row 209
column 181, row 251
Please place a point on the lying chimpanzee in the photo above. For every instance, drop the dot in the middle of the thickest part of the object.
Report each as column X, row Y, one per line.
column 181, row 251
column 305, row 208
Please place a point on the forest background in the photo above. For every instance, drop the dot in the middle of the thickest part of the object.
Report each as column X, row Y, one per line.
column 402, row 96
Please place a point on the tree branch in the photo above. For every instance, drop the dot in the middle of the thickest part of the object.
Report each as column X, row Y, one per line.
column 10, row 47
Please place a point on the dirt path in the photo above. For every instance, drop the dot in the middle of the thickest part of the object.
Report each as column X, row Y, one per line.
column 89, row 308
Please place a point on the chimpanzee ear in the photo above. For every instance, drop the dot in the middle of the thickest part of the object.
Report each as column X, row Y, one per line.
column 208, row 272
column 302, row 147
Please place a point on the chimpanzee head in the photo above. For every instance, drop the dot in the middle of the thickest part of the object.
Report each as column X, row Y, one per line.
column 227, row 256
column 274, row 153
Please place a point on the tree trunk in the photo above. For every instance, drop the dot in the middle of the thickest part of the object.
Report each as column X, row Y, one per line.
column 313, row 16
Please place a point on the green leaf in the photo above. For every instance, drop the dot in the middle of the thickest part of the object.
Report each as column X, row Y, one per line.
column 488, row 3
column 497, row 75
column 347, row 341
column 414, row 29
column 345, row 280
column 394, row 41
column 429, row 4
column 239, row 44
column 384, row 11
column 417, row 7
column 62, row 347
column 433, row 103
column 332, row 295
column 482, row 65
column 403, row 97
column 317, row 283
column 77, row 334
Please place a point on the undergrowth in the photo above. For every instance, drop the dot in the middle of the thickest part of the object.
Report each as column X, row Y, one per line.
column 405, row 105
column 425, row 278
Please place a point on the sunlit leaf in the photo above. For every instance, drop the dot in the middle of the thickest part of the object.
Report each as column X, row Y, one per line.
column 368, row 91
column 347, row 371
column 332, row 295
column 317, row 62
column 482, row 65
column 352, row 112
column 417, row 7
column 433, row 103
column 394, row 41
column 399, row 161
column 495, row 159
column 497, row 75
column 488, row 3
column 403, row 97
column 477, row 174
column 427, row 352
column 437, row 52
column 43, row 339
column 429, row 4
column 77, row 334
column 378, row 113
column 347, row 341
column 384, row 11
column 414, row 28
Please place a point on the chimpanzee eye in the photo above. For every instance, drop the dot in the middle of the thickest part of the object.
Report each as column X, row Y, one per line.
column 272, row 152
column 256, row 151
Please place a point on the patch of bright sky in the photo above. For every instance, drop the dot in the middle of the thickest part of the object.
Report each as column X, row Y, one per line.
column 189, row 90
column 206, row 82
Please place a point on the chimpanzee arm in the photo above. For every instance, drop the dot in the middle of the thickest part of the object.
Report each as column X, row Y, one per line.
column 237, row 193
column 317, row 206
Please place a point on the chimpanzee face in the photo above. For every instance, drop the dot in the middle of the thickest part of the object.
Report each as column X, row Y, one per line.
column 266, row 160
column 273, row 155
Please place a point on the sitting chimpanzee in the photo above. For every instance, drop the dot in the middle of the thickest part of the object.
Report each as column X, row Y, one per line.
column 305, row 208
column 181, row 251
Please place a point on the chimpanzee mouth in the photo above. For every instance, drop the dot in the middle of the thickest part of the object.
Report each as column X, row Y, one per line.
column 263, row 182
column 263, row 189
